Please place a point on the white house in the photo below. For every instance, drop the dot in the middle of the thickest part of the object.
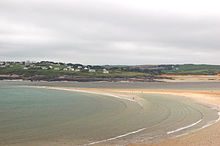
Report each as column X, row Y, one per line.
column 44, row 67
column 77, row 70
column 105, row 71
column 91, row 70
column 71, row 69
column 2, row 66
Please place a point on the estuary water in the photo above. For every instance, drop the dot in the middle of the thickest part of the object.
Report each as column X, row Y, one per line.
column 41, row 116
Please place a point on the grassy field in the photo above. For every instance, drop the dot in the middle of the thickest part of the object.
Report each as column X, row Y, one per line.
column 194, row 69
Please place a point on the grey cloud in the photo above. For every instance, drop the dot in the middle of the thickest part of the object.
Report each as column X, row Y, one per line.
column 102, row 33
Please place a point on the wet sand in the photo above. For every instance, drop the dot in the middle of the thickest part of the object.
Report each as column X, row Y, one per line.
column 207, row 136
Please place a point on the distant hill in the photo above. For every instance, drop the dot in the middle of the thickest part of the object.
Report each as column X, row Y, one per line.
column 191, row 69
column 47, row 70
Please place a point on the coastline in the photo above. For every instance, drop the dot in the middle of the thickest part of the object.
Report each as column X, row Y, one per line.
column 209, row 98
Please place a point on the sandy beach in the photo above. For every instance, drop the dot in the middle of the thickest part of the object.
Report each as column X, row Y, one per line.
column 190, row 78
column 207, row 136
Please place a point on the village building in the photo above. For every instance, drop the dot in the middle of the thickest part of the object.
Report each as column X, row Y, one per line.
column 71, row 69
column 44, row 67
column 92, row 70
column 77, row 70
column 2, row 66
column 105, row 71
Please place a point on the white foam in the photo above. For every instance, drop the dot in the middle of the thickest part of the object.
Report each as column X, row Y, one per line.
column 183, row 128
column 212, row 122
column 117, row 137
column 207, row 125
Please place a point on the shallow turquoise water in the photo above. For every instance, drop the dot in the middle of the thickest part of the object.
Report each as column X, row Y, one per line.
column 30, row 115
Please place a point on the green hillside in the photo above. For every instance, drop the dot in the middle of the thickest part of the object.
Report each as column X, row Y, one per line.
column 193, row 69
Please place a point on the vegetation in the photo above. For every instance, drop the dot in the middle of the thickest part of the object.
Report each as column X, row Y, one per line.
column 59, row 69
column 193, row 69
column 46, row 68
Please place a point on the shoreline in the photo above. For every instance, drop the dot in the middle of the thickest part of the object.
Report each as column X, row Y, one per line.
column 92, row 92
column 190, row 94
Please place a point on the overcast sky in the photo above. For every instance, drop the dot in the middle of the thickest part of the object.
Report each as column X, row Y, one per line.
column 111, row 31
